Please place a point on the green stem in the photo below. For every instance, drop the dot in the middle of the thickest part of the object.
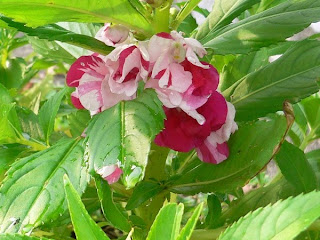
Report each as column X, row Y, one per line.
column 161, row 17
column 307, row 140
column 184, row 12
column 155, row 171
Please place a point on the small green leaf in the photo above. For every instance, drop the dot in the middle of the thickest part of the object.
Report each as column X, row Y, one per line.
column 124, row 134
column 214, row 211
column 10, row 128
column 143, row 192
column 33, row 190
column 48, row 112
column 187, row 230
column 251, row 148
column 166, row 226
column 84, row 226
column 295, row 168
column 291, row 77
column 283, row 220
column 111, row 212
column 264, row 29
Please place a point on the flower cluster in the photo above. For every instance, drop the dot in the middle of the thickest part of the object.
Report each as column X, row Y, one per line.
column 197, row 115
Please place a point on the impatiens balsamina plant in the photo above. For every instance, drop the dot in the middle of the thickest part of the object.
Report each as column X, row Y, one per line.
column 129, row 120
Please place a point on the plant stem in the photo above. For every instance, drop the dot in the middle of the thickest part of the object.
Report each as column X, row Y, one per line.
column 155, row 171
column 161, row 17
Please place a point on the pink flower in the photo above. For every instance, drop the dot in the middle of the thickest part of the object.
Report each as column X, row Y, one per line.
column 111, row 173
column 100, row 84
column 113, row 35
column 183, row 133
column 203, row 83
column 128, row 65
column 215, row 149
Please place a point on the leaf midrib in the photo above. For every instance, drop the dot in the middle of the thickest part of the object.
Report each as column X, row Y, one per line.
column 47, row 180
column 248, row 22
column 272, row 84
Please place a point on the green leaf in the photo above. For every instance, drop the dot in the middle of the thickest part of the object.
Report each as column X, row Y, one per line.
column 184, row 13
column 295, row 168
column 19, row 237
column 266, row 4
column 12, row 75
column 223, row 13
column 187, row 230
column 116, row 11
column 124, row 133
column 283, row 220
column 255, row 199
column 214, row 211
column 48, row 112
column 251, row 148
column 84, row 226
column 263, row 29
column 311, row 110
column 33, row 190
column 166, row 226
column 54, row 32
column 8, row 154
column 291, row 77
column 111, row 212
column 9, row 124
column 78, row 122
column 143, row 192
column 241, row 66
column 5, row 96
column 314, row 160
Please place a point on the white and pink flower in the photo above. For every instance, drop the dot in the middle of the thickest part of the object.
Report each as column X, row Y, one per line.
column 113, row 35
column 110, row 173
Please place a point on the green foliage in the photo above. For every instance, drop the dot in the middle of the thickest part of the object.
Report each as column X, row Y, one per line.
column 116, row 11
column 263, row 29
column 111, row 212
column 84, row 227
column 33, row 192
column 251, row 148
column 19, row 237
column 222, row 14
column 283, row 220
column 48, row 112
column 291, row 77
column 296, row 169
column 124, row 133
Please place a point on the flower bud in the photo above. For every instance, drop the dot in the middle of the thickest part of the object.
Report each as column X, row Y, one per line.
column 113, row 35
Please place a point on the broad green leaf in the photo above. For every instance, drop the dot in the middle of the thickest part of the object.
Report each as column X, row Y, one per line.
column 33, row 189
column 251, row 148
column 143, row 192
column 116, row 11
column 48, row 112
column 283, row 220
column 78, row 122
column 123, row 134
column 187, row 230
column 166, row 226
column 54, row 32
column 222, row 14
column 19, row 237
column 241, row 66
column 84, row 226
column 255, row 199
column 314, row 160
column 291, row 77
column 295, row 168
column 111, row 212
column 263, row 29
